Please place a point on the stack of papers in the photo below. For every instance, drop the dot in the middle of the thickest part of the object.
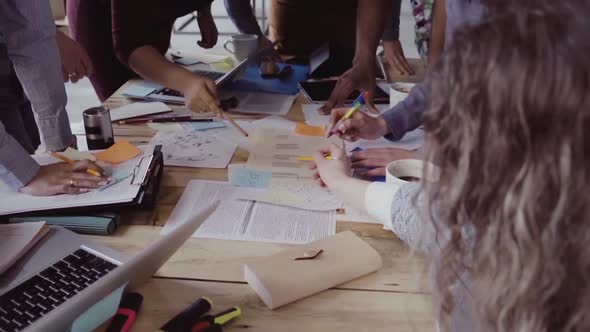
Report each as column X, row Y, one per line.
column 17, row 239
column 247, row 220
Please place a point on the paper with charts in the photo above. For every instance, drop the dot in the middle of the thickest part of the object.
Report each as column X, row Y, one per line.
column 277, row 151
column 247, row 220
column 195, row 148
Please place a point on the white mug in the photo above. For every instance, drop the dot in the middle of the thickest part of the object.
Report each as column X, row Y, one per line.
column 398, row 92
column 243, row 45
column 403, row 171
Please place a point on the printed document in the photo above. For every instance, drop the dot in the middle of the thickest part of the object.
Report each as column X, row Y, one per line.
column 247, row 220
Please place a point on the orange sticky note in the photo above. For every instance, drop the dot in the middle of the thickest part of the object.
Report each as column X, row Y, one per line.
column 307, row 130
column 120, row 152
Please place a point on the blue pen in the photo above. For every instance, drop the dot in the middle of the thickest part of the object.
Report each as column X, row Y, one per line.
column 114, row 182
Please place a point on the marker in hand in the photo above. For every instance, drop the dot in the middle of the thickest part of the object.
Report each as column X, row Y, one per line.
column 358, row 102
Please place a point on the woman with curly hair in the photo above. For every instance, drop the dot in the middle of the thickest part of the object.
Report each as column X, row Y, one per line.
column 507, row 131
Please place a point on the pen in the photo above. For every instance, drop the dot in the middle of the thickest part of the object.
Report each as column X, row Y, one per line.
column 164, row 119
column 233, row 123
column 126, row 314
column 70, row 161
column 358, row 102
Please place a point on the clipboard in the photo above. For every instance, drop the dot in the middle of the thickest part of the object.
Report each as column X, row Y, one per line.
column 145, row 199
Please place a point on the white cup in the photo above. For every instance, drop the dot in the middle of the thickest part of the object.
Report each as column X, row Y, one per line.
column 398, row 92
column 404, row 171
column 243, row 45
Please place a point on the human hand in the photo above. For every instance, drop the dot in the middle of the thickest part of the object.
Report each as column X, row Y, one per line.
column 330, row 172
column 359, row 125
column 200, row 95
column 207, row 28
column 360, row 77
column 75, row 61
column 64, row 178
column 271, row 55
column 394, row 55
column 377, row 159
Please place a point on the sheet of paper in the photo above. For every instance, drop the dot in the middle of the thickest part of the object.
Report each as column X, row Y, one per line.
column 121, row 151
column 302, row 194
column 138, row 109
column 74, row 154
column 17, row 239
column 140, row 89
column 411, row 141
column 16, row 202
column 278, row 150
column 246, row 220
column 309, row 130
column 250, row 178
column 260, row 103
column 352, row 214
column 165, row 127
column 194, row 148
column 231, row 135
column 274, row 121
column 202, row 125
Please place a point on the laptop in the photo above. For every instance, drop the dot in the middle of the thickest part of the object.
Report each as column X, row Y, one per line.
column 65, row 274
column 163, row 94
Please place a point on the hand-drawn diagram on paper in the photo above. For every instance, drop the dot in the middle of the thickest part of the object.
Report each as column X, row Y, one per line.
column 193, row 148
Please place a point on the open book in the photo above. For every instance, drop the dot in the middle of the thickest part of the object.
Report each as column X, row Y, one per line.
column 17, row 239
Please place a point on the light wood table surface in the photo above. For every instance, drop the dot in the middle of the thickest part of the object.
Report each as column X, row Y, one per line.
column 396, row 298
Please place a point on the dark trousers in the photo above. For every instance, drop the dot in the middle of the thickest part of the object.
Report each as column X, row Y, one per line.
column 16, row 113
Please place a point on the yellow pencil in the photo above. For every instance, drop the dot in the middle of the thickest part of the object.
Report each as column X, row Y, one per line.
column 70, row 161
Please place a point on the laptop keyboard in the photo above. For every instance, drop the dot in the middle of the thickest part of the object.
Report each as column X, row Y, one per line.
column 212, row 75
column 38, row 295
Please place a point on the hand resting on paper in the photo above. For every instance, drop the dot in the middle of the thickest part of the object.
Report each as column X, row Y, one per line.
column 360, row 125
column 330, row 172
column 377, row 159
column 64, row 178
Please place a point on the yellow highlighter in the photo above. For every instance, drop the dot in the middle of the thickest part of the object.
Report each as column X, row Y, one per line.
column 309, row 158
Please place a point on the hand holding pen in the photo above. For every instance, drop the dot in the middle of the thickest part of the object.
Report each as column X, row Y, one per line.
column 351, row 125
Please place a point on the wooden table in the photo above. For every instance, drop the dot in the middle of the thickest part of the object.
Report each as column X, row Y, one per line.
column 395, row 298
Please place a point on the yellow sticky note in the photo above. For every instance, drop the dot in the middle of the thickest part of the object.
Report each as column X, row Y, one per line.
column 120, row 152
column 307, row 130
column 74, row 154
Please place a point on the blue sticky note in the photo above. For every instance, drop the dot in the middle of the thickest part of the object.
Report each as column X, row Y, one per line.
column 252, row 80
column 207, row 125
column 98, row 313
column 141, row 89
column 244, row 177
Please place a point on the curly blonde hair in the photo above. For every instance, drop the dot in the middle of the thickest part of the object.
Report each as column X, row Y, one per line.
column 509, row 130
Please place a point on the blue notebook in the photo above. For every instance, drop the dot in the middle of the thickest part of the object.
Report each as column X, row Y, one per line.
column 251, row 80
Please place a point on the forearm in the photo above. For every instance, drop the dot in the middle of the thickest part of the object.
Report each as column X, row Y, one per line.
column 153, row 66
column 407, row 114
column 17, row 168
column 29, row 33
column 242, row 14
column 370, row 22
column 391, row 29
column 437, row 38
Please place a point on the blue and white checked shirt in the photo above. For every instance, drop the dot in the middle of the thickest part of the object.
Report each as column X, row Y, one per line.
column 28, row 30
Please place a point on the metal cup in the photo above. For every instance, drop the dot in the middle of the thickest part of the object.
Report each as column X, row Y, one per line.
column 98, row 127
